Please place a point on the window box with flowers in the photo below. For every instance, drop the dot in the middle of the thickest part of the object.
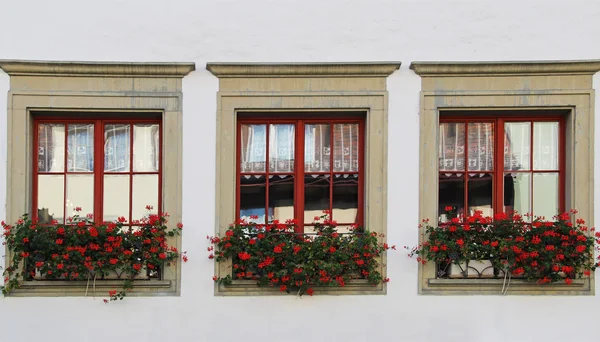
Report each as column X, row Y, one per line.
column 108, row 254
column 275, row 256
column 512, row 248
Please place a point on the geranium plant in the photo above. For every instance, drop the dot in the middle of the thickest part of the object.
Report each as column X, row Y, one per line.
column 87, row 250
column 275, row 255
column 528, row 247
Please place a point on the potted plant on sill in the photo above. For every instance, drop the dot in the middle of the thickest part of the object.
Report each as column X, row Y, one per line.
column 521, row 246
column 87, row 250
column 274, row 255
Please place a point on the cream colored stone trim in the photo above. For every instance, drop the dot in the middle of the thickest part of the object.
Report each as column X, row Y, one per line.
column 564, row 86
column 378, row 69
column 125, row 88
column 429, row 69
column 101, row 69
column 278, row 91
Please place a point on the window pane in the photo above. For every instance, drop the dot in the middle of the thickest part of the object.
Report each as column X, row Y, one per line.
column 80, row 193
column 145, row 192
column 281, row 197
column 253, row 148
column 281, row 148
column 517, row 188
column 146, row 148
column 116, row 197
column 345, row 147
column 480, row 193
column 345, row 198
column 116, row 148
column 517, row 142
column 51, row 148
column 80, row 148
column 451, row 148
column 545, row 194
column 545, row 145
column 317, row 148
column 316, row 196
column 481, row 146
column 451, row 193
column 51, row 192
column 253, row 198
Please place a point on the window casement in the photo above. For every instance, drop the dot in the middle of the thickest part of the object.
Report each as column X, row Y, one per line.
column 524, row 131
column 94, row 135
column 109, row 168
column 296, row 139
column 501, row 164
column 314, row 165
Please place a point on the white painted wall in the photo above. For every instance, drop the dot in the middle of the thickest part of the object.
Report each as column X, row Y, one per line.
column 300, row 31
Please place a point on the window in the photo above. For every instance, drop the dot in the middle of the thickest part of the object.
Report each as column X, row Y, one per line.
column 99, row 128
column 313, row 165
column 110, row 168
column 537, row 117
column 501, row 164
column 299, row 114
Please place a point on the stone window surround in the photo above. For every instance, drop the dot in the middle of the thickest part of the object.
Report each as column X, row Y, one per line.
column 286, row 88
column 473, row 86
column 94, row 87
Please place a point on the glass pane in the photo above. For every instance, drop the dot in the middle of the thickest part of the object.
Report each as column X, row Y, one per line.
column 517, row 188
column 317, row 148
column 80, row 193
column 451, row 194
column 481, row 146
column 281, row 148
column 480, row 193
column 545, row 194
column 316, row 196
column 51, row 191
column 253, row 140
column 116, row 197
column 116, row 148
column 517, row 142
column 545, row 145
column 345, row 198
column 80, row 148
column 146, row 148
column 281, row 197
column 253, row 198
column 345, row 147
column 451, row 148
column 145, row 192
column 51, row 148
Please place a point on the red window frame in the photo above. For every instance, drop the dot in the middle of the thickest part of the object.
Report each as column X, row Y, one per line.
column 99, row 172
column 498, row 155
column 299, row 172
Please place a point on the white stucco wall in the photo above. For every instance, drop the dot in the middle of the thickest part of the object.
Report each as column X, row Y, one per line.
column 301, row 31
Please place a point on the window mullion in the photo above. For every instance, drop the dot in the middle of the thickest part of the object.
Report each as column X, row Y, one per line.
column 299, row 175
column 98, row 170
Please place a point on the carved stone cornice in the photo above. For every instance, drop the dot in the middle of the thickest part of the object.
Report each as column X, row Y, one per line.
column 364, row 69
column 95, row 69
column 586, row 67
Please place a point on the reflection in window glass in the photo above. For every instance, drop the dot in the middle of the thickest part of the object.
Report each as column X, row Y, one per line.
column 345, row 147
column 517, row 192
column 281, row 148
column 80, row 193
column 51, row 148
column 545, row 194
column 253, row 198
column 50, row 198
column 116, row 197
column 146, row 147
column 545, row 146
column 451, row 148
column 345, row 198
column 451, row 193
column 481, row 146
column 316, row 196
column 253, row 140
column 281, row 197
column 317, row 148
column 116, row 148
column 80, row 148
column 144, row 192
column 480, row 192
column 517, row 142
